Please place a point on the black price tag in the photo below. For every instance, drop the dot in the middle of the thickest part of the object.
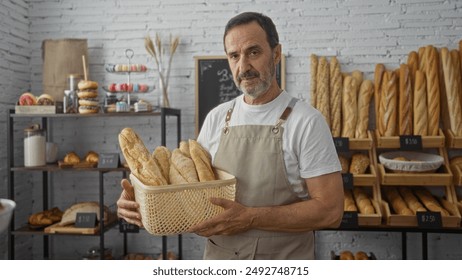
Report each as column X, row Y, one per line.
column 347, row 181
column 342, row 144
column 349, row 219
column 126, row 227
column 410, row 142
column 108, row 160
column 429, row 219
column 85, row 220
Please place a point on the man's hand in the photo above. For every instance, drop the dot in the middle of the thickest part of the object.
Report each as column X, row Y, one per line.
column 235, row 219
column 127, row 208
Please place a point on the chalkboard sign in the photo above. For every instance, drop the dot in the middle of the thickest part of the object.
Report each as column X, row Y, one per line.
column 215, row 84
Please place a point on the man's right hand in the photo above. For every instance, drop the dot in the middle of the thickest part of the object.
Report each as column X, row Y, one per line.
column 127, row 208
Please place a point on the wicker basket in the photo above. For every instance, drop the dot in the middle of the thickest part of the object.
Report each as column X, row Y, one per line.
column 173, row 209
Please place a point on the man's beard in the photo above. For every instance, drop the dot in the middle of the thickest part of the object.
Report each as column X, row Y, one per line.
column 262, row 86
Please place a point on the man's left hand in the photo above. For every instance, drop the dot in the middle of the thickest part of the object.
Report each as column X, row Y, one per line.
column 235, row 219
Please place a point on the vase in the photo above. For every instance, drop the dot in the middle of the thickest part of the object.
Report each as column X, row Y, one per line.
column 163, row 93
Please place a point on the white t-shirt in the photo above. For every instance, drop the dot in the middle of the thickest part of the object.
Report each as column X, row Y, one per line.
column 308, row 147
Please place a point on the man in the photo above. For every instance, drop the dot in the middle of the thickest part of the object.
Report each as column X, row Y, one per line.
column 280, row 150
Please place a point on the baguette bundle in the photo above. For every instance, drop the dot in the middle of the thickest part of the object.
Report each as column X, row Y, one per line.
column 187, row 164
column 363, row 201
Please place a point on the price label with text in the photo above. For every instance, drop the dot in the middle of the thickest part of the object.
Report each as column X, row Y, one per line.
column 349, row 219
column 347, row 181
column 108, row 160
column 342, row 144
column 410, row 142
column 85, row 220
column 126, row 227
column 429, row 219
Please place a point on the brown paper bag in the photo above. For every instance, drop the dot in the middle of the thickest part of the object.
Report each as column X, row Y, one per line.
column 61, row 58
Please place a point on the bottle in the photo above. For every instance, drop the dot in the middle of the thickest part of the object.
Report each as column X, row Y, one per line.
column 34, row 146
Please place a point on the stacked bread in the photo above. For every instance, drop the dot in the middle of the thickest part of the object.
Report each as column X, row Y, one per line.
column 343, row 99
column 357, row 165
column 88, row 97
column 358, row 199
column 407, row 201
column 408, row 99
column 189, row 163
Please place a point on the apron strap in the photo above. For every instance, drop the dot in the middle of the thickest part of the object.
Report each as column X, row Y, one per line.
column 228, row 117
column 285, row 115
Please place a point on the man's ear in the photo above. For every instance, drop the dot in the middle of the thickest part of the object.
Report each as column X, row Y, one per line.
column 277, row 54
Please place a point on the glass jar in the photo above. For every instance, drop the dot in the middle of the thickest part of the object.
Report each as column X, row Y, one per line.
column 34, row 146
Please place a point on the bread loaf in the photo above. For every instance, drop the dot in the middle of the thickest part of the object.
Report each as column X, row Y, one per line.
column 46, row 217
column 162, row 156
column 348, row 201
column 202, row 161
column 457, row 68
column 346, row 255
column 70, row 214
column 405, row 101
column 313, row 77
column 184, row 148
column 411, row 200
column 363, row 201
column 397, row 202
column 139, row 159
column 433, row 90
column 358, row 75
column 420, row 105
column 322, row 89
column 349, row 107
column 452, row 92
column 448, row 206
column 389, row 103
column 430, row 202
column 182, row 169
column 456, row 161
column 364, row 100
column 362, row 256
column 378, row 75
column 413, row 64
column 359, row 163
column 335, row 98
column 422, row 59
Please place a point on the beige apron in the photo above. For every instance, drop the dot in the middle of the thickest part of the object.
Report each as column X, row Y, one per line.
column 253, row 153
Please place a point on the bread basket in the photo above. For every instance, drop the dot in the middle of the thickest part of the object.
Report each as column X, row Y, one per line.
column 415, row 162
column 173, row 209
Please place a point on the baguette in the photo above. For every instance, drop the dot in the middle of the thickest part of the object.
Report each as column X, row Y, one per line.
column 202, row 161
column 363, row 201
column 348, row 202
column 322, row 89
column 388, row 103
column 397, row 202
column 413, row 63
column 378, row 76
column 448, row 206
column 139, row 160
column 433, row 90
column 411, row 200
column 359, row 163
column 162, row 156
column 452, row 92
column 430, row 202
column 405, row 101
column 364, row 100
column 182, row 169
column 349, row 107
column 335, row 89
column 420, row 104
column 358, row 75
column 457, row 69
column 422, row 59
column 313, row 76
column 345, row 163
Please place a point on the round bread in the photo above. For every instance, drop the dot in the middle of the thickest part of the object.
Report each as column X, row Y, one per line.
column 45, row 99
column 92, row 157
column 27, row 98
column 71, row 158
column 88, row 102
column 87, row 94
column 88, row 109
column 346, row 255
column 86, row 84
column 360, row 255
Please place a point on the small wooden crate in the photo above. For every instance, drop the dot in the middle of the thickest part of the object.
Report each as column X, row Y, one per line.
column 452, row 141
column 444, row 177
column 392, row 142
column 393, row 219
column 367, row 179
column 361, row 143
column 371, row 219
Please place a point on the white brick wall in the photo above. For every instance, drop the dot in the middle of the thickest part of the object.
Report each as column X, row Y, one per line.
column 360, row 32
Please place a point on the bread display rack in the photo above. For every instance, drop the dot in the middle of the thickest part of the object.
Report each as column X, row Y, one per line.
column 21, row 228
